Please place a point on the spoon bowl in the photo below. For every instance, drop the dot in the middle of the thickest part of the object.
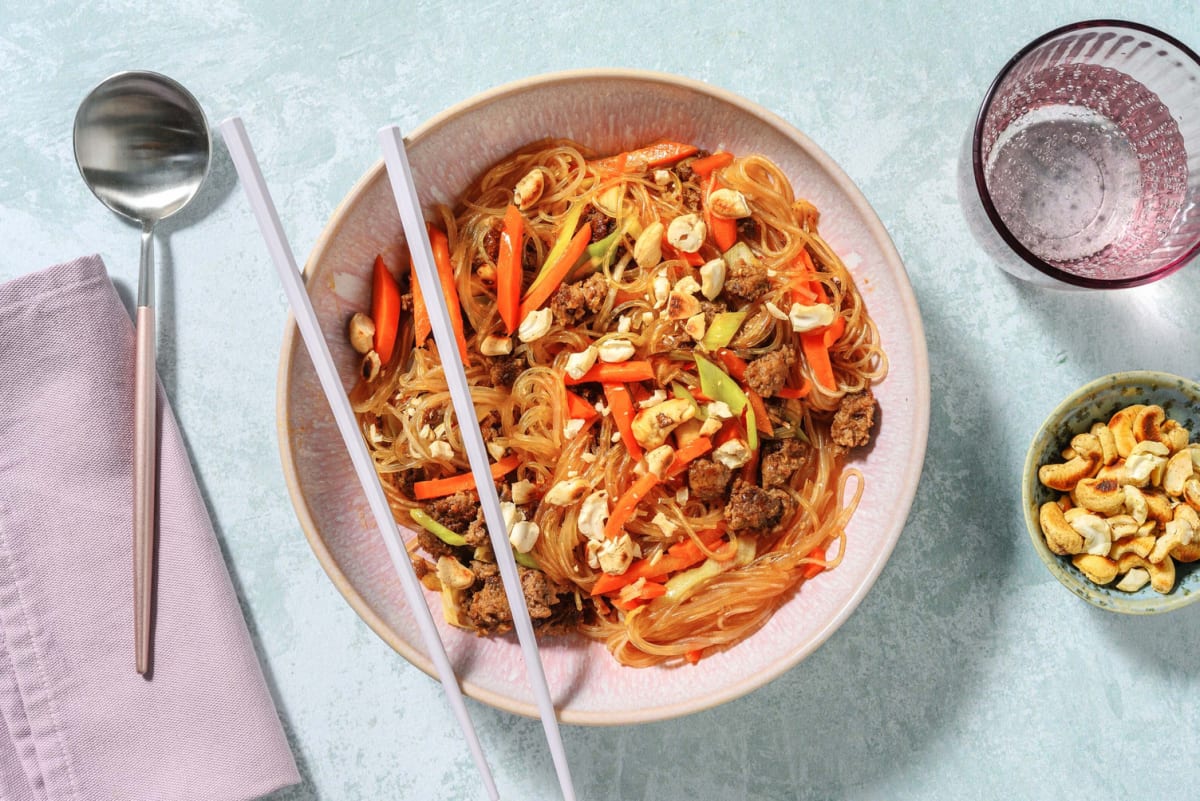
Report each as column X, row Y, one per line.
column 143, row 147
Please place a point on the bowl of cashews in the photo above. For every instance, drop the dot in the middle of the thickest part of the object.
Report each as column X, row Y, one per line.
column 1111, row 492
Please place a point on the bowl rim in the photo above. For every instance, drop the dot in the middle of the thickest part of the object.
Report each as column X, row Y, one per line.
column 985, row 196
column 920, row 401
column 1054, row 564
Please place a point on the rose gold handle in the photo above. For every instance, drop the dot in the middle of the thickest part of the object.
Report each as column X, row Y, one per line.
column 145, row 451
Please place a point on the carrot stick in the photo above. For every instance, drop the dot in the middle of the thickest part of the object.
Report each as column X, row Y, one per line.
column 656, row 155
column 792, row 393
column 760, row 413
column 834, row 331
column 722, row 229
column 735, row 364
column 679, row 556
column 445, row 270
column 508, row 269
column 554, row 274
column 579, row 409
column 704, row 167
column 441, row 487
column 422, row 327
column 813, row 345
column 620, row 373
column 688, row 453
column 620, row 404
column 813, row 568
column 385, row 310
column 627, row 503
column 649, row 591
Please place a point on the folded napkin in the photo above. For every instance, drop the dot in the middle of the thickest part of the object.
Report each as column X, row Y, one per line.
column 76, row 721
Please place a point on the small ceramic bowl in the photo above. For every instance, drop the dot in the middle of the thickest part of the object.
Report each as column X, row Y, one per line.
column 1097, row 401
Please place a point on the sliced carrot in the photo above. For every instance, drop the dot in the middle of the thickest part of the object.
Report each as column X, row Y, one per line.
column 814, row 569
column 649, row 591
column 704, row 167
column 833, row 332
column 445, row 271
column 735, row 364
column 693, row 656
column 792, row 393
column 580, row 409
column 385, row 310
column 508, row 269
column 422, row 327
column 688, row 453
column 680, row 556
column 627, row 503
column 813, row 345
column 620, row 405
column 657, row 155
column 554, row 274
column 620, row 373
column 722, row 229
column 760, row 412
column 441, row 487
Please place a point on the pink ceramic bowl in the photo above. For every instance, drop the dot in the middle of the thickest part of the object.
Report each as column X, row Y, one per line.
column 610, row 110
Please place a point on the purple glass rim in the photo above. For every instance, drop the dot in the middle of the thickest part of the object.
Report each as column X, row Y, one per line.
column 981, row 184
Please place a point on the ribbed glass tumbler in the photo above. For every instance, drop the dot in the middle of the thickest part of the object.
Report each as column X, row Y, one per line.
column 1086, row 154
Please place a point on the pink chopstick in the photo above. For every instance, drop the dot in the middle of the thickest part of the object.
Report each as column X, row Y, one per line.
column 248, row 170
column 396, row 158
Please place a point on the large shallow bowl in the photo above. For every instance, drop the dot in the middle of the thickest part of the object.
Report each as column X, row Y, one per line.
column 609, row 111
column 1097, row 401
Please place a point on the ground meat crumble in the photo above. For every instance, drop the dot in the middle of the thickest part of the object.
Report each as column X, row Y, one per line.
column 767, row 374
column 854, row 419
column 752, row 507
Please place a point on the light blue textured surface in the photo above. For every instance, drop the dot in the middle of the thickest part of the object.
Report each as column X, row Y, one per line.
column 968, row 672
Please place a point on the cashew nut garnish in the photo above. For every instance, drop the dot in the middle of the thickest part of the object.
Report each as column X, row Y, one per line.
column 362, row 332
column 1129, row 503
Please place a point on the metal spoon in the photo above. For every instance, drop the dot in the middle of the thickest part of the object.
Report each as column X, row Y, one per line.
column 143, row 147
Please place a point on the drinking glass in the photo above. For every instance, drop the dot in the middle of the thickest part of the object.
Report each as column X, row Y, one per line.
column 1086, row 154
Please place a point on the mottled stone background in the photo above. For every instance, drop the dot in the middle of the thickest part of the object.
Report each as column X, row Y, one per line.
column 968, row 672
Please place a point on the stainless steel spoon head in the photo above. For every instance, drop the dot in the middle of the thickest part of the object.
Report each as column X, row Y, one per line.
column 142, row 145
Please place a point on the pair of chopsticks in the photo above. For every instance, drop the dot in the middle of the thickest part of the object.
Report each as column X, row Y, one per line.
column 396, row 159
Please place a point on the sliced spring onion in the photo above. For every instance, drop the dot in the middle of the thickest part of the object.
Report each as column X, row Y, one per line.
column 715, row 383
column 422, row 519
column 722, row 329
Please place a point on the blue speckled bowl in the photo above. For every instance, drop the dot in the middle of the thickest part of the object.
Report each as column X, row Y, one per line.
column 1097, row 401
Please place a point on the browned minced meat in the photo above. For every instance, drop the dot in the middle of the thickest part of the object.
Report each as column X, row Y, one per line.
column 707, row 479
column 456, row 512
column 747, row 228
column 781, row 459
column 747, row 279
column 852, row 423
column 691, row 198
column 768, row 373
column 684, row 168
column 491, row 247
column 403, row 480
column 504, row 370
column 431, row 545
column 477, row 533
column 752, row 507
column 487, row 606
column 602, row 224
column 433, row 417
column 572, row 302
column 711, row 308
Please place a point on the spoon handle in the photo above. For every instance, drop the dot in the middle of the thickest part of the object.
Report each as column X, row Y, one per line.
column 145, row 452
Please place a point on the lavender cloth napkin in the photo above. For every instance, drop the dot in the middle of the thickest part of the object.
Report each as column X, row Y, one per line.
column 76, row 721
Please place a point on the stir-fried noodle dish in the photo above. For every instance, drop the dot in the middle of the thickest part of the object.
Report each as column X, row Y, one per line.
column 670, row 367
